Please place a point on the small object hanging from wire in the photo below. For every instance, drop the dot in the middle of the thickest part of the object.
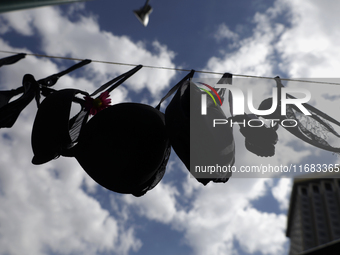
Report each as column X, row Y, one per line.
column 143, row 13
column 317, row 129
column 192, row 137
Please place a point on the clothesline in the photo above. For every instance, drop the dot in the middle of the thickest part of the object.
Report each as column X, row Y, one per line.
column 168, row 68
column 55, row 133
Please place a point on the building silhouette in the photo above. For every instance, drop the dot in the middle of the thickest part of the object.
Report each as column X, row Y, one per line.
column 313, row 224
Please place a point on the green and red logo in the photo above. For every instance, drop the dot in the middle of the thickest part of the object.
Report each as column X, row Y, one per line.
column 208, row 92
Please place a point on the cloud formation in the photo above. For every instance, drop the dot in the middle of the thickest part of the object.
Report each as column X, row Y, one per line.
column 49, row 208
column 218, row 214
column 83, row 38
column 55, row 198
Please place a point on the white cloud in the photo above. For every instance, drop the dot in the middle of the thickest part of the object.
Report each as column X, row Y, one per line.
column 304, row 46
column 41, row 211
column 35, row 202
column 215, row 215
column 221, row 213
column 282, row 191
column 218, row 212
column 83, row 38
column 45, row 208
column 20, row 22
column 310, row 47
column 258, row 231
column 253, row 54
column 223, row 32
column 159, row 205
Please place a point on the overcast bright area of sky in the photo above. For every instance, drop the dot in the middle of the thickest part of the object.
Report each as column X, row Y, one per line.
column 56, row 208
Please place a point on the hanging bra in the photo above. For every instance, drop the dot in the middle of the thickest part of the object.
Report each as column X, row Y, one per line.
column 53, row 131
column 194, row 139
column 124, row 148
column 313, row 129
column 10, row 111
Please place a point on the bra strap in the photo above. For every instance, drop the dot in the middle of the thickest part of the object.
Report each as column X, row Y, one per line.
column 174, row 88
column 120, row 79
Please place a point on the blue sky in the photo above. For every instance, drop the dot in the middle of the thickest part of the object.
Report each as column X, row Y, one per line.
column 56, row 208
